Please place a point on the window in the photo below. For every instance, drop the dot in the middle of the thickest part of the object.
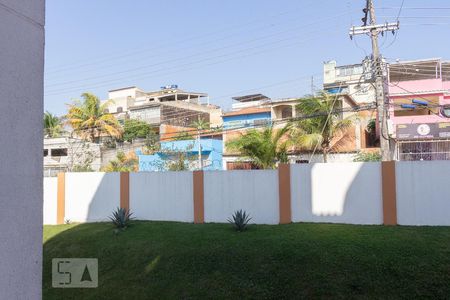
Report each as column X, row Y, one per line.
column 286, row 112
column 119, row 109
column 260, row 122
column 45, row 152
column 59, row 152
column 302, row 161
column 106, row 111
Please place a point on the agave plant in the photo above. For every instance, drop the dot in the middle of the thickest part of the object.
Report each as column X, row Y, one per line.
column 121, row 218
column 240, row 220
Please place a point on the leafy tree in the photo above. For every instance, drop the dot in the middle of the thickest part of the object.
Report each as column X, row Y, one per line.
column 265, row 147
column 52, row 125
column 133, row 129
column 152, row 143
column 200, row 124
column 182, row 136
column 89, row 119
column 367, row 156
column 326, row 128
column 178, row 162
column 123, row 163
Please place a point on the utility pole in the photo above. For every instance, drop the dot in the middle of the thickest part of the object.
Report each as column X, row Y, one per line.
column 200, row 161
column 377, row 64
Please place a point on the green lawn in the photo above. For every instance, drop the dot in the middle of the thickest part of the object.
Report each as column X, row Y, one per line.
column 164, row 260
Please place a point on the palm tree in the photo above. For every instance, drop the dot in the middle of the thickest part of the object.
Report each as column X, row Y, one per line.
column 52, row 125
column 90, row 121
column 265, row 147
column 325, row 127
column 200, row 124
column 123, row 163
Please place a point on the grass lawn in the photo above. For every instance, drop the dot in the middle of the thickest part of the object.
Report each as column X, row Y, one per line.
column 165, row 260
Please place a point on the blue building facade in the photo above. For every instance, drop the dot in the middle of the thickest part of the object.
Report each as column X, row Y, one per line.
column 246, row 120
column 211, row 155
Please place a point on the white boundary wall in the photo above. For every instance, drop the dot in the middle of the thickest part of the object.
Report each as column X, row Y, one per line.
column 337, row 193
column 50, row 200
column 165, row 196
column 254, row 191
column 422, row 193
column 91, row 197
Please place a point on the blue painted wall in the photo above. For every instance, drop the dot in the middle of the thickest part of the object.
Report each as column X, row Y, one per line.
column 211, row 151
column 246, row 120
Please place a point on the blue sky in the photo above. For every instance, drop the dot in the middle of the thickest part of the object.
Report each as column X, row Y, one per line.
column 224, row 48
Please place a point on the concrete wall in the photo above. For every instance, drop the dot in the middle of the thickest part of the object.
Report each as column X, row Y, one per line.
column 50, row 200
column 91, row 197
column 337, row 193
column 162, row 196
column 251, row 190
column 21, row 96
column 422, row 197
column 405, row 193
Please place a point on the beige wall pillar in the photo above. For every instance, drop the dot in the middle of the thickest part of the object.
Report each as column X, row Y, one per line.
column 389, row 193
column 125, row 190
column 284, row 192
column 199, row 197
column 61, row 199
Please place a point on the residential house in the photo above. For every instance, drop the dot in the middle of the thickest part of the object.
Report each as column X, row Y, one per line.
column 251, row 111
column 65, row 154
column 170, row 105
column 419, row 98
column 352, row 85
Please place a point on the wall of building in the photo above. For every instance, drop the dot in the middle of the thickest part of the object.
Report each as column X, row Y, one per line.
column 253, row 191
column 78, row 153
column 211, row 155
column 21, row 96
column 245, row 120
column 91, row 197
column 337, row 193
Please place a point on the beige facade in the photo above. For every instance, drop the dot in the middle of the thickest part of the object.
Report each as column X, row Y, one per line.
column 66, row 154
column 133, row 102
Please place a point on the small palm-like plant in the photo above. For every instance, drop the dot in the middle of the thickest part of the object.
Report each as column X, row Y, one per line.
column 121, row 218
column 240, row 219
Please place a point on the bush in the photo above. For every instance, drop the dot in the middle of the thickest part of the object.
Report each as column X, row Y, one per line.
column 367, row 156
column 240, row 220
column 121, row 218
column 134, row 129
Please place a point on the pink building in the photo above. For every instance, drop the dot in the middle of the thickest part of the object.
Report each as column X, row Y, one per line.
column 419, row 98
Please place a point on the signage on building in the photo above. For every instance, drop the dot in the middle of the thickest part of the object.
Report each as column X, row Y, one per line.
column 423, row 131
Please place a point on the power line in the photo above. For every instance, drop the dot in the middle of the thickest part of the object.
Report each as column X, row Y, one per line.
column 193, row 55
column 196, row 37
column 152, row 74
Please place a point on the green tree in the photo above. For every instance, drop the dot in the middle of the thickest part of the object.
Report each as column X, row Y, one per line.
column 90, row 121
column 152, row 143
column 200, row 124
column 265, row 147
column 52, row 125
column 367, row 156
column 123, row 163
column 323, row 128
column 133, row 129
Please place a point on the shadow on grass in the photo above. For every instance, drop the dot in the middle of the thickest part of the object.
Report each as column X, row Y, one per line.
column 161, row 260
